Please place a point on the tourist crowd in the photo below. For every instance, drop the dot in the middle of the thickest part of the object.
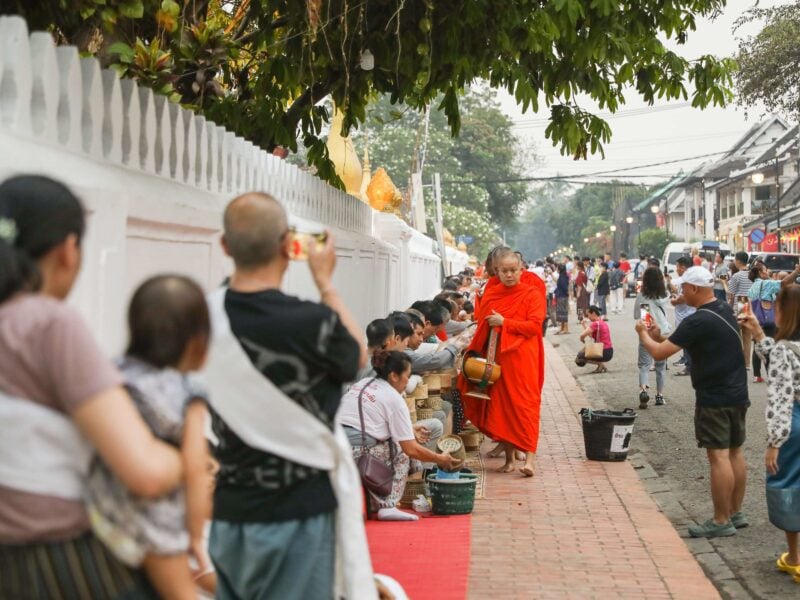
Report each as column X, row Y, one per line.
column 236, row 445
column 228, row 451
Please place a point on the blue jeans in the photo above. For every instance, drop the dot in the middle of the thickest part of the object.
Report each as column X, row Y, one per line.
column 290, row 560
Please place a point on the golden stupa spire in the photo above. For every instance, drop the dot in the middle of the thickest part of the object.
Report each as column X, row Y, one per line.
column 343, row 155
column 366, row 172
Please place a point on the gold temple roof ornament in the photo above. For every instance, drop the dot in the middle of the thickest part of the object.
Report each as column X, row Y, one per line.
column 366, row 176
column 383, row 194
column 343, row 156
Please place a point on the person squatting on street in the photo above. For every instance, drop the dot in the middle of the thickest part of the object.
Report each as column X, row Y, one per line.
column 782, row 458
column 376, row 405
column 711, row 337
column 655, row 298
column 599, row 332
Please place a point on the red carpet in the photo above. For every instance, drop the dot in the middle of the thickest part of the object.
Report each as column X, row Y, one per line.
column 430, row 558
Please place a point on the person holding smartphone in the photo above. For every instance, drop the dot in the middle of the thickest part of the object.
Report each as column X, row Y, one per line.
column 651, row 307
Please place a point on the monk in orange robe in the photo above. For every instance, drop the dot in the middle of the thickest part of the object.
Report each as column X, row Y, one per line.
column 517, row 310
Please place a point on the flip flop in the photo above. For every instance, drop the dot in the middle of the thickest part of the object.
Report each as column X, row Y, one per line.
column 793, row 570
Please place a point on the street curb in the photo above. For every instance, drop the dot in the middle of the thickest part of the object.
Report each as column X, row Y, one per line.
column 714, row 565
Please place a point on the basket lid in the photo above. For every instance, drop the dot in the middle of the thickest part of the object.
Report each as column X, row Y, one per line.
column 450, row 443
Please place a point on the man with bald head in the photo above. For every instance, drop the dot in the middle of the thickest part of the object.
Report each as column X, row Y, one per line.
column 273, row 530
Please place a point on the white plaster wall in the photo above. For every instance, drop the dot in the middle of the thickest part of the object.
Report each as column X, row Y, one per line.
column 155, row 179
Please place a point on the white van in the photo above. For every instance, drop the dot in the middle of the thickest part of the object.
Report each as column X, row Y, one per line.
column 710, row 247
column 672, row 253
column 677, row 249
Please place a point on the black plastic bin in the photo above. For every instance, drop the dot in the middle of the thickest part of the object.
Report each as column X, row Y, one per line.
column 607, row 433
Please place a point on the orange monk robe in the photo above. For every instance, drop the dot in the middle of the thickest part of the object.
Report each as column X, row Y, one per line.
column 490, row 283
column 512, row 414
column 527, row 278
column 532, row 279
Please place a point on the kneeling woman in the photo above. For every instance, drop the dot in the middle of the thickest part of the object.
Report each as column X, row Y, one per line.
column 600, row 332
column 376, row 420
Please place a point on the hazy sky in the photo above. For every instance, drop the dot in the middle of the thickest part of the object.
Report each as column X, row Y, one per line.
column 666, row 131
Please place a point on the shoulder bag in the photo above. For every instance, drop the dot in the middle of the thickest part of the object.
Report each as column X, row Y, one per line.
column 376, row 476
column 592, row 349
column 764, row 310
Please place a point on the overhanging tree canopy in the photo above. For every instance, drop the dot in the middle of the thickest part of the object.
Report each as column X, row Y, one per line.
column 260, row 67
column 769, row 62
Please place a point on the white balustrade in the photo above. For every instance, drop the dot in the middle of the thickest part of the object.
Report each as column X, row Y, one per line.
column 155, row 178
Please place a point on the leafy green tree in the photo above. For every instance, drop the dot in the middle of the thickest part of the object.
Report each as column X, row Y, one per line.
column 486, row 150
column 261, row 67
column 653, row 241
column 769, row 61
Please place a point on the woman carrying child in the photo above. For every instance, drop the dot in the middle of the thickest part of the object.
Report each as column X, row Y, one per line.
column 61, row 402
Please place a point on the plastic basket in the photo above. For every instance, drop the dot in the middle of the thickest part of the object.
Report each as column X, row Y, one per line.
column 607, row 433
column 453, row 496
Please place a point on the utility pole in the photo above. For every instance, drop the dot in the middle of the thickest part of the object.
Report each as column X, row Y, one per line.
column 778, row 201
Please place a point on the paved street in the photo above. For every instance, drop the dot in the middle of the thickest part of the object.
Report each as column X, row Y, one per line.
column 580, row 529
column 741, row 566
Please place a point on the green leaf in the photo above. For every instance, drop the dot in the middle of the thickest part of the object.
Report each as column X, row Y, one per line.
column 132, row 9
column 123, row 50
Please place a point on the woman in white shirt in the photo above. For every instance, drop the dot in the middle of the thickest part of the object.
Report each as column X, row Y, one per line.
column 388, row 433
column 782, row 458
column 654, row 294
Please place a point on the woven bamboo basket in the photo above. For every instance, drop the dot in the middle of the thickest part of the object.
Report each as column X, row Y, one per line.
column 454, row 445
column 421, row 402
column 446, row 381
column 434, row 402
column 472, row 439
column 433, row 381
column 411, row 404
column 424, row 413
column 421, row 391
column 413, row 489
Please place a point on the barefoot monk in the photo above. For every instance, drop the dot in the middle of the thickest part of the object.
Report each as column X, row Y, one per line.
column 516, row 310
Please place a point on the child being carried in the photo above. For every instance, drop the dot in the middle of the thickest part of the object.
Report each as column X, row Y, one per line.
column 169, row 335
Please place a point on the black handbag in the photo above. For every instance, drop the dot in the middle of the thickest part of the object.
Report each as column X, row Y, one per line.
column 375, row 475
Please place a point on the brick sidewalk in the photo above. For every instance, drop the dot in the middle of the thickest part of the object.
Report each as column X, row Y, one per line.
column 578, row 529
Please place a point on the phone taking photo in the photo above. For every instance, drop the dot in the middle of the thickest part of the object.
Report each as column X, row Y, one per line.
column 301, row 244
column 647, row 318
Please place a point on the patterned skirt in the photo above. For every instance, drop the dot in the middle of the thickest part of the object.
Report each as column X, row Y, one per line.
column 783, row 488
column 80, row 569
column 562, row 310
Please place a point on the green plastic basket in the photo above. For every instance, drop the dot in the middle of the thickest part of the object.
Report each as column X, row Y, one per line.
column 453, row 496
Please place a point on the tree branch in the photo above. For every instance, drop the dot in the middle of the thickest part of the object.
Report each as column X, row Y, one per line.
column 308, row 98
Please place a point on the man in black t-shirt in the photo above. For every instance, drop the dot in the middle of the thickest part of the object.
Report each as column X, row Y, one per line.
column 712, row 338
column 273, row 526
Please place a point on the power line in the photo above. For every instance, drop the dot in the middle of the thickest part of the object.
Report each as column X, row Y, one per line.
column 632, row 112
column 595, row 174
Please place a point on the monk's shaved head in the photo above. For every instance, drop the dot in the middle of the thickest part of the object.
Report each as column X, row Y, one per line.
column 255, row 225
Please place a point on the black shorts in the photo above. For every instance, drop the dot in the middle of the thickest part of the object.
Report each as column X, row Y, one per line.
column 608, row 354
column 720, row 427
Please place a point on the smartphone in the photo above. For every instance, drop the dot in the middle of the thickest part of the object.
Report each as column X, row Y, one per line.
column 743, row 306
column 647, row 318
column 301, row 242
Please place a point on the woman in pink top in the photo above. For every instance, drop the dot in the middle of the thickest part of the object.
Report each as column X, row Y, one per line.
column 599, row 331
column 62, row 405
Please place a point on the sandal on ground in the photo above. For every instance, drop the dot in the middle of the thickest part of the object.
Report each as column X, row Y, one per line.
column 598, row 370
column 787, row 568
